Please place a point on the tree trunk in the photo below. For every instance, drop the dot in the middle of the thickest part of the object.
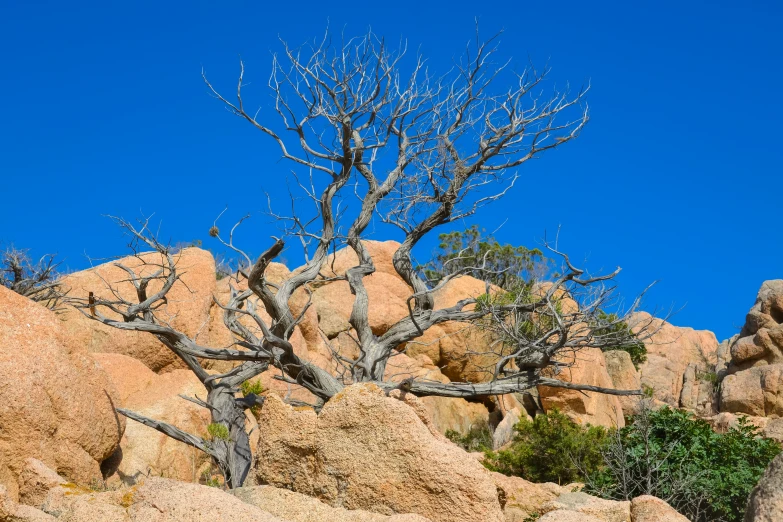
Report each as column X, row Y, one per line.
column 232, row 456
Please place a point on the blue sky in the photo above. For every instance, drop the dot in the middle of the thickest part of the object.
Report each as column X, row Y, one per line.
column 676, row 178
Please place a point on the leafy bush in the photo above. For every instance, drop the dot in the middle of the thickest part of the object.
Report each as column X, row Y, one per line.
column 478, row 438
column 218, row 431
column 506, row 266
column 551, row 448
column 706, row 476
column 254, row 387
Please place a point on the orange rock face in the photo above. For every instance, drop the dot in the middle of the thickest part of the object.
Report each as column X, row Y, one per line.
column 586, row 366
column 624, row 377
column 143, row 450
column 669, row 352
column 187, row 310
column 368, row 451
column 647, row 508
column 56, row 403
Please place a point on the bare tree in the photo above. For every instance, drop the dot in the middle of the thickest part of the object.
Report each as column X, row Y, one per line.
column 35, row 280
column 417, row 151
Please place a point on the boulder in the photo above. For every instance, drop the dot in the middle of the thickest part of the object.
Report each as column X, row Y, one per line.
column 144, row 451
column 670, row 350
column 455, row 414
column 387, row 297
column 187, row 309
column 461, row 351
column 153, row 500
column 586, row 366
column 766, row 500
column 381, row 252
column 755, row 391
column 761, row 339
column 566, row 515
column 12, row 511
column 401, row 366
column 295, row 507
column 605, row 510
column 624, row 377
column 652, row 509
column 524, row 499
column 56, row 403
column 369, row 451
column 35, row 482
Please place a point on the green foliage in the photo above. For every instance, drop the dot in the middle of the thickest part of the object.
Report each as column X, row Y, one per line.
column 478, row 438
column 254, row 387
column 616, row 329
column 507, row 266
column 551, row 448
column 218, row 431
column 705, row 475
column 210, row 478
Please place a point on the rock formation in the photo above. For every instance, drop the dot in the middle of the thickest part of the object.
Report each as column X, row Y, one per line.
column 587, row 366
column 372, row 452
column 144, row 451
column 188, row 306
column 670, row 353
column 56, row 403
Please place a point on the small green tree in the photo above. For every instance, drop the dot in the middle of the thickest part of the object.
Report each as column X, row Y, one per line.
column 551, row 448
column 483, row 257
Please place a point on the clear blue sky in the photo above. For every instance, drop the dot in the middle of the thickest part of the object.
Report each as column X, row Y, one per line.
column 677, row 177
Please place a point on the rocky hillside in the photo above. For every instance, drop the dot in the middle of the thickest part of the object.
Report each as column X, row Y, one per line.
column 65, row 454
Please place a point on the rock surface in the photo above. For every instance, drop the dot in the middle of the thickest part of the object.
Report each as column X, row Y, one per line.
column 766, row 500
column 295, row 507
column 624, row 376
column 605, row 510
column 56, row 403
column 153, row 500
column 670, row 350
column 586, row 366
column 566, row 515
column 524, row 499
column 387, row 297
column 372, row 452
column 187, row 310
column 761, row 338
column 455, row 414
column 143, row 450
column 12, row 511
column 755, row 391
column 652, row 509
column 754, row 381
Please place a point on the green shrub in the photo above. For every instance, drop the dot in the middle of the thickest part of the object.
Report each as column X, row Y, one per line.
column 551, row 448
column 218, row 431
column 249, row 388
column 706, row 476
column 478, row 438
column 506, row 266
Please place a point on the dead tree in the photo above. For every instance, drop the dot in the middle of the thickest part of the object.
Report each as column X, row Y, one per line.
column 36, row 281
column 419, row 151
